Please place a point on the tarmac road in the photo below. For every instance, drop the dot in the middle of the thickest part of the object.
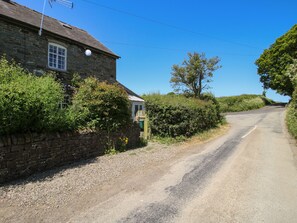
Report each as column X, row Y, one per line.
column 247, row 175
column 258, row 182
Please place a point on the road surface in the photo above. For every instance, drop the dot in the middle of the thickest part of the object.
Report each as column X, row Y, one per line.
column 247, row 175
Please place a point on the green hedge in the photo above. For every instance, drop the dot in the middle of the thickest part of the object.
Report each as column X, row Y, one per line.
column 292, row 115
column 243, row 102
column 29, row 103
column 99, row 105
column 33, row 104
column 174, row 115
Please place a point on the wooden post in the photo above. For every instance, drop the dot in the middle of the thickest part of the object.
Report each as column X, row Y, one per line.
column 146, row 134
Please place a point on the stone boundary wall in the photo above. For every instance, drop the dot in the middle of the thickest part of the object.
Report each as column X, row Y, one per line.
column 24, row 154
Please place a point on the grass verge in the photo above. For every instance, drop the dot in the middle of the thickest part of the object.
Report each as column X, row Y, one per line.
column 197, row 138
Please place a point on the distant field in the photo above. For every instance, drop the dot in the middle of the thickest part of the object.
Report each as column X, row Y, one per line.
column 243, row 102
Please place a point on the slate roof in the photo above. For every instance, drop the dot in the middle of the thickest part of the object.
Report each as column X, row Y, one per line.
column 131, row 94
column 23, row 15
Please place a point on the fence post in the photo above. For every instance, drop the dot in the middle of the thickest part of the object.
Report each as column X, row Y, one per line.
column 146, row 134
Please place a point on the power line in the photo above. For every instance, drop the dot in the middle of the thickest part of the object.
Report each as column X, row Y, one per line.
column 168, row 49
column 143, row 46
column 168, row 25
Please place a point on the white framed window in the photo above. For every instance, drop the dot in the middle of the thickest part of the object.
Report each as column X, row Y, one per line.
column 57, row 56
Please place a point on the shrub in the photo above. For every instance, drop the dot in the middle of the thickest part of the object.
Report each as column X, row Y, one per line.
column 176, row 115
column 98, row 105
column 211, row 97
column 29, row 103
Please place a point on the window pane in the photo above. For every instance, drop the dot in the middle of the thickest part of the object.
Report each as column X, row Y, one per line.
column 51, row 60
column 61, row 62
column 55, row 60
column 53, row 48
column 61, row 51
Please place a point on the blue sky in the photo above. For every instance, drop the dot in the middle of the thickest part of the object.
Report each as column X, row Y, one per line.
column 151, row 36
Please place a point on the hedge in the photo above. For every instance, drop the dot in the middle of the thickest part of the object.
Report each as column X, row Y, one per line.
column 33, row 104
column 102, row 106
column 176, row 115
column 243, row 102
column 29, row 103
column 292, row 115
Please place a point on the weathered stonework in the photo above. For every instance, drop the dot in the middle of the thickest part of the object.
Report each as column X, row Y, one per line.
column 25, row 46
column 25, row 154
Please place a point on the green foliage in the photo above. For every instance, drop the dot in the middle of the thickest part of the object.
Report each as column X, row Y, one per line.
column 142, row 142
column 292, row 118
column 33, row 104
column 273, row 63
column 98, row 105
column 29, row 103
column 194, row 74
column 111, row 151
column 176, row 115
column 291, row 73
column 213, row 99
column 76, row 80
column 243, row 102
column 292, row 108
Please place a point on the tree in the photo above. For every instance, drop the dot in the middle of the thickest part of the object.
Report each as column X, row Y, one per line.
column 194, row 74
column 274, row 61
column 291, row 73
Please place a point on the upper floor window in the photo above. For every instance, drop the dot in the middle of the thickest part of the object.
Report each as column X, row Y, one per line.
column 57, row 56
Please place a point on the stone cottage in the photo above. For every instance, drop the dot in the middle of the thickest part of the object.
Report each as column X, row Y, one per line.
column 61, row 47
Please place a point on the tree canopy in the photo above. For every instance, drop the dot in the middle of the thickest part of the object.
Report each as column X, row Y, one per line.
column 194, row 74
column 274, row 62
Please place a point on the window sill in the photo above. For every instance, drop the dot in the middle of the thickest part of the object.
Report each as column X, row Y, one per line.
column 56, row 69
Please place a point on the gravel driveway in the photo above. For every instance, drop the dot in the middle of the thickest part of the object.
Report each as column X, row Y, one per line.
column 48, row 191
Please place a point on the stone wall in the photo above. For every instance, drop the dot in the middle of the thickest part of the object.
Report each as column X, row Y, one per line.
column 25, row 46
column 25, row 154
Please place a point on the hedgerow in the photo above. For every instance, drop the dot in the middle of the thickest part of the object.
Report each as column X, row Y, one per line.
column 243, row 102
column 292, row 115
column 176, row 115
column 29, row 103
